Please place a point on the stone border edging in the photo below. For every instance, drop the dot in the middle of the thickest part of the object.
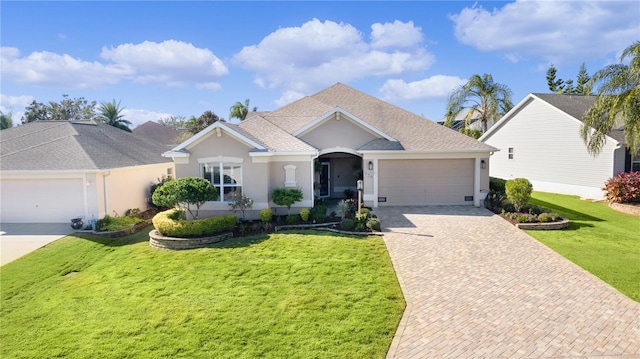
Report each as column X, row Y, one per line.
column 625, row 208
column 158, row 241
column 323, row 227
column 544, row 226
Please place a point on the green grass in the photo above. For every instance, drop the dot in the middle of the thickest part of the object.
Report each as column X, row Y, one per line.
column 286, row 295
column 602, row 241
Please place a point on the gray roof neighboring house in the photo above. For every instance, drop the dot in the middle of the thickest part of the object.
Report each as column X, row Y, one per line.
column 413, row 132
column 156, row 132
column 73, row 146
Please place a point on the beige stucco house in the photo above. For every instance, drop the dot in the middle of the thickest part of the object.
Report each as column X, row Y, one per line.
column 52, row 171
column 324, row 143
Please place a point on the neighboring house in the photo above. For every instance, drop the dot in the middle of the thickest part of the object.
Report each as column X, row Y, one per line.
column 324, row 143
column 53, row 171
column 158, row 133
column 539, row 139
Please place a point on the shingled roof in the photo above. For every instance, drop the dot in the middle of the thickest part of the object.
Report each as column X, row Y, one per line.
column 573, row 105
column 156, row 132
column 412, row 131
column 74, row 146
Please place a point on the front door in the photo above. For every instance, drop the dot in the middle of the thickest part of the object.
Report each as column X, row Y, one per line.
column 325, row 180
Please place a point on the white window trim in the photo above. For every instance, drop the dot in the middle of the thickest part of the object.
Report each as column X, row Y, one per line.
column 222, row 161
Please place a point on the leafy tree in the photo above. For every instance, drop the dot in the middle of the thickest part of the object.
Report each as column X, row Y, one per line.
column 66, row 110
column 518, row 191
column 5, row 120
column 195, row 125
column 286, row 197
column 481, row 95
column 177, row 122
column 240, row 110
column 185, row 192
column 555, row 85
column 473, row 133
column 617, row 102
column 110, row 113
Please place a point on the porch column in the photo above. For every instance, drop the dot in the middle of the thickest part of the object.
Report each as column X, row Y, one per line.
column 476, row 183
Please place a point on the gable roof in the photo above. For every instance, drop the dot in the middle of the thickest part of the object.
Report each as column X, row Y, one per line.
column 156, row 132
column 74, row 146
column 574, row 106
column 397, row 129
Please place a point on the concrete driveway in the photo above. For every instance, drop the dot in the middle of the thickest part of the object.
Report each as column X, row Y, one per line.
column 477, row 287
column 18, row 239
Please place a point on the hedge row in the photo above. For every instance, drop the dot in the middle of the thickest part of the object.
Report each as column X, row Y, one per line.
column 169, row 227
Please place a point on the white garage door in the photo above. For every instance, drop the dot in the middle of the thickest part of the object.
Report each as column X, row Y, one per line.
column 41, row 200
column 425, row 182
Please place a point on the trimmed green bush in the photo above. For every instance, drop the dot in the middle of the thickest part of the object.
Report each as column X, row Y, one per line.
column 293, row 219
column 304, row 214
column 374, row 224
column 519, row 192
column 347, row 224
column 286, row 197
column 497, row 185
column 167, row 226
column 185, row 192
column 319, row 213
column 109, row 223
column 266, row 215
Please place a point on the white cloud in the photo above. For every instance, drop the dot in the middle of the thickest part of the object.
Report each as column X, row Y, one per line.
column 397, row 34
column 288, row 97
column 51, row 69
column 139, row 116
column 171, row 63
column 15, row 106
column 555, row 31
column 434, row 87
column 318, row 54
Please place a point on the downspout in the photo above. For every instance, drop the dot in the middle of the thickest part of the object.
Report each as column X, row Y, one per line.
column 104, row 181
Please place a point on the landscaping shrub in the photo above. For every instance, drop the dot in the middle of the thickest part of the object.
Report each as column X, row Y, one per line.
column 240, row 202
column 545, row 217
column 167, row 226
column 177, row 214
column 318, row 214
column 507, row 206
column 132, row 212
column 286, row 197
column 623, row 188
column 343, row 209
column 304, row 214
column 293, row 219
column 526, row 218
column 109, row 223
column 532, row 209
column 374, row 224
column 497, row 185
column 154, row 187
column 266, row 215
column 347, row 224
column 518, row 191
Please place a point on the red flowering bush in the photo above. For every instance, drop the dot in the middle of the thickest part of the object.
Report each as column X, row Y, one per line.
column 623, row 188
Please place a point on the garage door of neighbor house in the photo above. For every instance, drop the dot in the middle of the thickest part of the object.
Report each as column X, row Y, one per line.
column 41, row 200
column 425, row 182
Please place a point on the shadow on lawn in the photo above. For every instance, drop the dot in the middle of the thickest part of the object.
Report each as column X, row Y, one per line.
column 570, row 214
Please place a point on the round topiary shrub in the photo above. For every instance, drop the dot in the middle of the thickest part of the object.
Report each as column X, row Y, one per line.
column 304, row 214
column 347, row 224
column 266, row 215
column 374, row 224
column 518, row 191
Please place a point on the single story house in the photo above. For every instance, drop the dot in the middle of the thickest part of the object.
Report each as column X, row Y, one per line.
column 539, row 139
column 53, row 171
column 324, row 143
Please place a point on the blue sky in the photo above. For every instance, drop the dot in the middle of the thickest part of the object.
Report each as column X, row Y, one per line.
column 161, row 58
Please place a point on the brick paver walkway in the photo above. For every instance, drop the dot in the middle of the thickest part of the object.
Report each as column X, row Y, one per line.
column 477, row 287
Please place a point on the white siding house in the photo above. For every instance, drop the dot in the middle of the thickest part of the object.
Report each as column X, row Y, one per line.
column 539, row 139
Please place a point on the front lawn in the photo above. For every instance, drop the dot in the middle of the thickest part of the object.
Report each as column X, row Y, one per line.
column 283, row 295
column 599, row 239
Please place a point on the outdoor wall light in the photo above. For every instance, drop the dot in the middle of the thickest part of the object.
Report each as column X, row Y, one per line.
column 370, row 166
column 483, row 164
column 88, row 183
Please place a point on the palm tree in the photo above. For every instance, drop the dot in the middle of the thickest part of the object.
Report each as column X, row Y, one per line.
column 481, row 96
column 617, row 103
column 110, row 113
column 240, row 110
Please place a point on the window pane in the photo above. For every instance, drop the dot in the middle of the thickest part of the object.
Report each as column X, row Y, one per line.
column 206, row 172
column 230, row 191
column 216, row 173
column 232, row 173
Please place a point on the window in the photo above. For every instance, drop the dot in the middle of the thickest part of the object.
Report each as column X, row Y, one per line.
column 635, row 163
column 510, row 153
column 225, row 176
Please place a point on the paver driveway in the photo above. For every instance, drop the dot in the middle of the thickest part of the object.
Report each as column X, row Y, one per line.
column 477, row 287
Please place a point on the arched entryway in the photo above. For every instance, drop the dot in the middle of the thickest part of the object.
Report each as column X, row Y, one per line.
column 336, row 174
